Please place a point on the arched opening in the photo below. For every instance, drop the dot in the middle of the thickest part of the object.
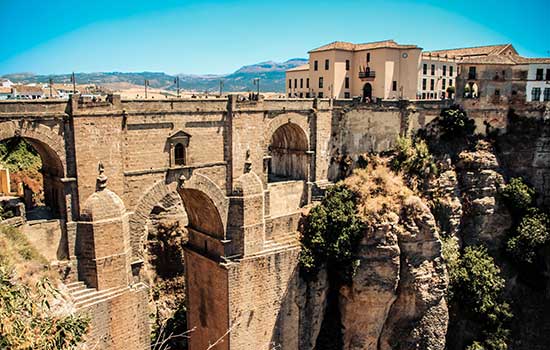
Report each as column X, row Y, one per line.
column 165, row 269
column 179, row 154
column 288, row 149
column 367, row 92
column 35, row 177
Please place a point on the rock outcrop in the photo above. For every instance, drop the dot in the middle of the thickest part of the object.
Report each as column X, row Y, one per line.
column 396, row 300
column 485, row 218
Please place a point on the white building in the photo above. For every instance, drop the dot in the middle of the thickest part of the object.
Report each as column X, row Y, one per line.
column 6, row 83
column 538, row 80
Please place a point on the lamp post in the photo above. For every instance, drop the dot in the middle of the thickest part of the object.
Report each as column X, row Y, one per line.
column 50, row 82
column 257, row 83
column 146, row 84
column 177, row 82
column 221, row 88
column 73, row 80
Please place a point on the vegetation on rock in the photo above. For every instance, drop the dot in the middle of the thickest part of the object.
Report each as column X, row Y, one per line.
column 476, row 289
column 412, row 157
column 32, row 313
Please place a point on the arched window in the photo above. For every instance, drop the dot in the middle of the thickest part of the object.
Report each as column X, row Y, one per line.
column 179, row 154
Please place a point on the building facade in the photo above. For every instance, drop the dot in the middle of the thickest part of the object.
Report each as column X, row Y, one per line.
column 437, row 76
column 378, row 70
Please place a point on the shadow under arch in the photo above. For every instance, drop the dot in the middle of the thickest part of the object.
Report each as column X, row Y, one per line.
column 204, row 202
column 288, row 149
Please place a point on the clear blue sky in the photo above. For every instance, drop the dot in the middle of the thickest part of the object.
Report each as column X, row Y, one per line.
column 47, row 37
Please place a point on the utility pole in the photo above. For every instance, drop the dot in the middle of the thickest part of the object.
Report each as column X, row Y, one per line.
column 177, row 82
column 73, row 80
column 257, row 83
column 221, row 87
column 146, row 84
column 50, row 83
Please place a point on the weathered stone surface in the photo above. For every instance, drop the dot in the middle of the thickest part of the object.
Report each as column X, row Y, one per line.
column 366, row 303
column 485, row 218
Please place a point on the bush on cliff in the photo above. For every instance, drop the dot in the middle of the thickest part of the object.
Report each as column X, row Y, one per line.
column 532, row 233
column 476, row 291
column 454, row 123
column 330, row 233
column 518, row 196
column 412, row 157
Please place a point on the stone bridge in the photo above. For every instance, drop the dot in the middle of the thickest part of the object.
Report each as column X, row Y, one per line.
column 241, row 169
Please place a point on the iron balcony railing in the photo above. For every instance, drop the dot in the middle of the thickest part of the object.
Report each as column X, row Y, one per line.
column 367, row 74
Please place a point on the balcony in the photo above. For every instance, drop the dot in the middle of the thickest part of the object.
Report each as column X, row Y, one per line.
column 367, row 74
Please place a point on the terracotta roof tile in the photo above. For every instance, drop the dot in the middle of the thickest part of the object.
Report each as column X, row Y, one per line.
column 471, row 51
column 346, row 46
column 299, row 68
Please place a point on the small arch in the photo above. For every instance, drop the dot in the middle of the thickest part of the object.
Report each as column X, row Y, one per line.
column 288, row 150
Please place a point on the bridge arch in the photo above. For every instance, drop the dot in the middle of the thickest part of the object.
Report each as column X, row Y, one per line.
column 49, row 145
column 205, row 205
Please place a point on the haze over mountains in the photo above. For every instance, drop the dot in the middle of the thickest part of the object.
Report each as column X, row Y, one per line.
column 272, row 75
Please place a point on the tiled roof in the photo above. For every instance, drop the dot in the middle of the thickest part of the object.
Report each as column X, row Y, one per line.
column 299, row 68
column 342, row 45
column 502, row 59
column 26, row 89
column 5, row 90
column 533, row 60
column 472, row 51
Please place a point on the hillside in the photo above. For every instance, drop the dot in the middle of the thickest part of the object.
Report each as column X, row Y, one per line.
column 272, row 75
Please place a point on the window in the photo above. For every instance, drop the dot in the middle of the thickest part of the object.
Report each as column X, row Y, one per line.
column 301, row 83
column 423, row 84
column 289, row 94
column 320, row 82
column 368, row 57
column 433, row 69
column 539, row 74
column 290, row 83
column 326, row 64
column 497, row 92
column 347, row 95
column 547, row 74
column 307, row 83
column 301, row 94
column 179, row 154
column 295, row 83
column 451, row 81
column 546, row 94
column 346, row 83
column 444, row 70
column 425, row 69
column 535, row 94
column 423, row 95
column 432, row 84
column 472, row 73
column 315, row 65
column 347, row 64
column 451, row 72
column 320, row 95
column 394, row 86
column 308, row 95
column 443, row 84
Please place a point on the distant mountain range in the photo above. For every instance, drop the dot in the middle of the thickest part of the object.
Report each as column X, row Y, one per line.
column 272, row 75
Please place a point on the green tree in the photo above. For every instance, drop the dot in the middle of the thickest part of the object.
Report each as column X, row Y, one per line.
column 532, row 233
column 476, row 287
column 518, row 196
column 454, row 123
column 332, row 231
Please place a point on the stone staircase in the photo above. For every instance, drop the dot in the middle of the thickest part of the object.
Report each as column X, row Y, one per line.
column 84, row 297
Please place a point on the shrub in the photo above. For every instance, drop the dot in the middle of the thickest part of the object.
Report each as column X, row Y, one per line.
column 331, row 233
column 532, row 233
column 518, row 196
column 476, row 287
column 28, row 321
column 413, row 158
column 454, row 123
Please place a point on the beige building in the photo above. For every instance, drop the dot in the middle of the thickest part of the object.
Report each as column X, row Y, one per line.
column 377, row 70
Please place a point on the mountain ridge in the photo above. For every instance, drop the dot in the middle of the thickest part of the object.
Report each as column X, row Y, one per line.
column 271, row 74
